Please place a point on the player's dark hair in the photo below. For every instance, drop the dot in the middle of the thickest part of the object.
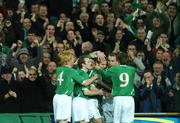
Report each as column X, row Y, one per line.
column 115, row 55
column 81, row 61
column 124, row 59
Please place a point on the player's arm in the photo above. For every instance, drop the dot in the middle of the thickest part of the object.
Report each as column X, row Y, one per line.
column 90, row 80
column 78, row 78
column 104, row 85
column 93, row 93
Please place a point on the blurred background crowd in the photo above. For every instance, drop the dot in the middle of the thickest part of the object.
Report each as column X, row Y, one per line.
column 34, row 32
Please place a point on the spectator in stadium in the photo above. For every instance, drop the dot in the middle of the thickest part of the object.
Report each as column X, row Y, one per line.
column 9, row 92
column 31, row 92
column 173, row 20
column 23, row 58
column 167, row 61
column 161, row 77
column 49, row 86
column 42, row 20
column 49, row 37
column 150, row 94
column 140, row 41
column 174, row 95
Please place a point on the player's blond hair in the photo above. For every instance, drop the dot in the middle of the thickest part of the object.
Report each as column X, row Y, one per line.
column 65, row 56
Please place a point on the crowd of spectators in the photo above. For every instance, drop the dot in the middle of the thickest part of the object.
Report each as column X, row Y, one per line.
column 34, row 32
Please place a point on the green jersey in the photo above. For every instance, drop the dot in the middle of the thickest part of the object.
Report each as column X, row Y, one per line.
column 122, row 77
column 80, row 88
column 66, row 78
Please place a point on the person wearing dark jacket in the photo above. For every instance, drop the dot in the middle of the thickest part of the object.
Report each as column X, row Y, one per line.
column 31, row 91
column 9, row 92
column 150, row 94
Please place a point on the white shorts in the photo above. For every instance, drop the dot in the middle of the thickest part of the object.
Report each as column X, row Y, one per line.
column 123, row 109
column 93, row 109
column 80, row 109
column 62, row 107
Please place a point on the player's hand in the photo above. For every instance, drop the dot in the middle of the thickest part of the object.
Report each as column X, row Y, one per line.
column 109, row 95
column 101, row 92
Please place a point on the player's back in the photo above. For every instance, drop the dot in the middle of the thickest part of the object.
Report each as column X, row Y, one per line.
column 122, row 77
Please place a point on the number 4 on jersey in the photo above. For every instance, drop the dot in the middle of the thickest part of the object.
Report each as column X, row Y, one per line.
column 59, row 78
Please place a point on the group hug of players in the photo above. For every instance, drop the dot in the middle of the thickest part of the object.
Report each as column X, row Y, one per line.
column 77, row 80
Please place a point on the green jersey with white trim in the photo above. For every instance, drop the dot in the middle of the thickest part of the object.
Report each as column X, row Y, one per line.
column 66, row 78
column 122, row 77
column 80, row 88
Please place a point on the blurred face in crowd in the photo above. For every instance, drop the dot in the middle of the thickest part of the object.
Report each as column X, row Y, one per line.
column 23, row 57
column 144, row 4
column 43, row 11
column 84, row 17
column 132, row 48
column 139, row 22
column 34, row 8
column 148, row 78
column 110, row 18
column 100, row 37
column 32, row 75
column 104, row 7
column 127, row 7
column 172, row 11
column 86, row 47
column 46, row 48
column 157, row 68
column 27, row 23
column 51, row 67
column 166, row 58
column 63, row 16
column 118, row 35
column 164, row 38
column 84, row 3
column 19, row 44
column 31, row 37
column 150, row 8
column 112, row 61
column 7, row 76
column 177, row 78
column 69, row 26
column 10, row 12
column 156, row 22
column 1, row 17
column 141, row 34
column 70, row 35
column 141, row 55
column 100, row 20
column 46, row 58
column 50, row 30
column 21, row 75
column 159, row 55
column 60, row 47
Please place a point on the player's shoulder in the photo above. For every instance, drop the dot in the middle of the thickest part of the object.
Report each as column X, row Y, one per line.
column 121, row 67
column 66, row 68
column 128, row 67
